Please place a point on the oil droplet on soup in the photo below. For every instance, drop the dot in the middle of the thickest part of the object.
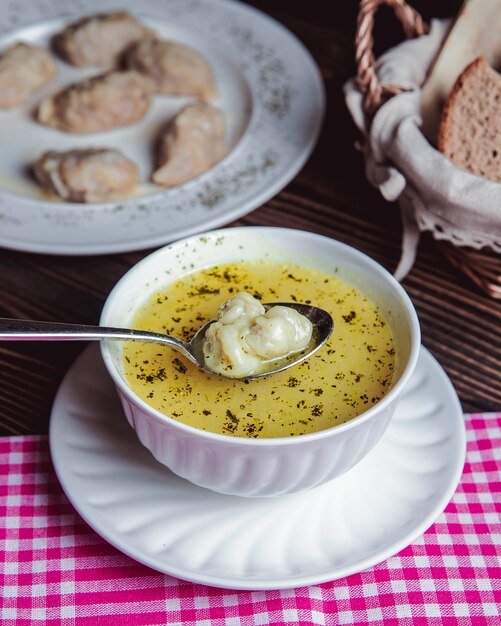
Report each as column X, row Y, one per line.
column 348, row 375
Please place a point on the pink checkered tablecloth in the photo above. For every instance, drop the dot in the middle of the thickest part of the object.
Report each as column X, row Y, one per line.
column 56, row 570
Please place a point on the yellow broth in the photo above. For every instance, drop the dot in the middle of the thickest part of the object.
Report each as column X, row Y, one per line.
column 347, row 376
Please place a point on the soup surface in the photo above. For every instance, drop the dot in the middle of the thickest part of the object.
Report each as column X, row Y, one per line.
column 353, row 371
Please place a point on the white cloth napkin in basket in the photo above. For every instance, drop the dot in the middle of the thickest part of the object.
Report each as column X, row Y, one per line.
column 433, row 193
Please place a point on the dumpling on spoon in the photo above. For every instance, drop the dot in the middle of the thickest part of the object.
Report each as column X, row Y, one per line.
column 86, row 175
column 99, row 40
column 24, row 69
column 195, row 140
column 98, row 103
column 175, row 69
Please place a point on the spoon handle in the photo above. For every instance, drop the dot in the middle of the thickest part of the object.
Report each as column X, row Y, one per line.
column 26, row 330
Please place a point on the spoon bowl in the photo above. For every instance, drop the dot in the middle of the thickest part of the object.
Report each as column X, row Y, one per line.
column 25, row 330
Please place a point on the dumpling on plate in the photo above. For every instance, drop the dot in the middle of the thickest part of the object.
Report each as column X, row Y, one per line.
column 99, row 40
column 175, row 69
column 24, row 69
column 86, row 175
column 194, row 141
column 98, row 103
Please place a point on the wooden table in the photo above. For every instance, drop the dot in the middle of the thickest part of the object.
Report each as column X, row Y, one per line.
column 330, row 196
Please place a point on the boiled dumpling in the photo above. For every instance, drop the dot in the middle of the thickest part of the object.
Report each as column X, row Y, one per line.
column 175, row 69
column 194, row 142
column 246, row 335
column 24, row 69
column 99, row 40
column 99, row 103
column 86, row 175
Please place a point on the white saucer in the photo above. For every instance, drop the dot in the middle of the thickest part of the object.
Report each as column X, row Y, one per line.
column 341, row 528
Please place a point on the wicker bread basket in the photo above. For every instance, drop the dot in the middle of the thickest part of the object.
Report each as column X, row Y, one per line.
column 481, row 266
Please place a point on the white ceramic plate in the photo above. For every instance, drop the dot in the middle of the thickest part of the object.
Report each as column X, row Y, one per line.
column 269, row 88
column 341, row 528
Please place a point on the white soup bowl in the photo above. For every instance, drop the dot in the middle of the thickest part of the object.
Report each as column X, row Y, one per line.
column 260, row 467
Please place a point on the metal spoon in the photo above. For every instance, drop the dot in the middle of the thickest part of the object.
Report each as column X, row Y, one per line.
column 24, row 330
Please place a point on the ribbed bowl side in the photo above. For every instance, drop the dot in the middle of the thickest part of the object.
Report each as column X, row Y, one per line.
column 228, row 467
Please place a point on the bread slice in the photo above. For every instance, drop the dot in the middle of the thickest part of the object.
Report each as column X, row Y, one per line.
column 470, row 129
column 474, row 31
